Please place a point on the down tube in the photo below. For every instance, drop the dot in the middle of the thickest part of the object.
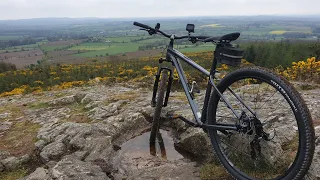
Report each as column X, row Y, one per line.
column 193, row 105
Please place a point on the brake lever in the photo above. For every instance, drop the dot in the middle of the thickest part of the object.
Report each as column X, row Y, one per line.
column 193, row 40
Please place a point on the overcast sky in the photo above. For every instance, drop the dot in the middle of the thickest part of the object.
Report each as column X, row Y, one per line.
column 24, row 9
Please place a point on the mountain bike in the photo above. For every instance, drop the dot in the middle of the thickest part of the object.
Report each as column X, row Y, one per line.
column 259, row 125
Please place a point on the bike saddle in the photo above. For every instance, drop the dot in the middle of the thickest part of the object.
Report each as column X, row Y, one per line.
column 227, row 37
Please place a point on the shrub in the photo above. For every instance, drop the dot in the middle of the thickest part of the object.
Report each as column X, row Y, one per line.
column 7, row 67
column 308, row 70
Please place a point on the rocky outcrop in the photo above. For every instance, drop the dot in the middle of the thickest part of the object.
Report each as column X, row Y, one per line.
column 314, row 171
column 39, row 174
column 62, row 101
column 196, row 142
column 70, row 168
column 92, row 149
column 11, row 163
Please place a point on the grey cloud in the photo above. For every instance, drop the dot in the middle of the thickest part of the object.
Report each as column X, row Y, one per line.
column 17, row 9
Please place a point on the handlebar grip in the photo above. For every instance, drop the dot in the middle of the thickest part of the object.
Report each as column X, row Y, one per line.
column 142, row 25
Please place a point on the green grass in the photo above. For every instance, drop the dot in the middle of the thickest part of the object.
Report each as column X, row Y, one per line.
column 122, row 38
column 213, row 171
column 38, row 105
column 13, row 175
column 113, row 49
column 29, row 46
column 147, row 41
column 25, row 47
column 98, row 49
column 93, row 46
column 52, row 48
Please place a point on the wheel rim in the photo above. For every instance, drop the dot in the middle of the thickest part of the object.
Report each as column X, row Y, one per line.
column 273, row 109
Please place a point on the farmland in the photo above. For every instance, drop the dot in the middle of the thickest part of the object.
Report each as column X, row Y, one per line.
column 22, row 58
column 104, row 39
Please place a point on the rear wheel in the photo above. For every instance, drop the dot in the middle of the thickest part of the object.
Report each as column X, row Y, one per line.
column 277, row 142
column 157, row 111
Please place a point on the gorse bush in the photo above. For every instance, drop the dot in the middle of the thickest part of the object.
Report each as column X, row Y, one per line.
column 7, row 67
column 308, row 70
column 48, row 77
column 44, row 77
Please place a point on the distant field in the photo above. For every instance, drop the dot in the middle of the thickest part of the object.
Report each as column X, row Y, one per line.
column 92, row 46
column 22, row 48
column 63, row 43
column 278, row 32
column 7, row 38
column 52, row 48
column 212, row 25
column 147, row 41
column 23, row 58
column 96, row 50
column 57, row 45
column 121, row 39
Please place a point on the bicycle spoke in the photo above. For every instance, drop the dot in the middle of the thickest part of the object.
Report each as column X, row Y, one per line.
column 227, row 117
column 267, row 100
column 258, row 159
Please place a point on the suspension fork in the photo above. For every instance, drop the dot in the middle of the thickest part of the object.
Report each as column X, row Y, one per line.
column 156, row 83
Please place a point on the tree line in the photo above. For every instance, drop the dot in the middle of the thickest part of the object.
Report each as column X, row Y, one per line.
column 25, row 41
column 273, row 54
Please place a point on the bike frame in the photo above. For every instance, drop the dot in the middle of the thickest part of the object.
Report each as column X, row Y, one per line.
column 174, row 56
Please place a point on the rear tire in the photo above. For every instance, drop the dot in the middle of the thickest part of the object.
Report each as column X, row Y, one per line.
column 236, row 151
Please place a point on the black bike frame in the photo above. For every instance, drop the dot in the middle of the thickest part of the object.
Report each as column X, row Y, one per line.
column 200, row 117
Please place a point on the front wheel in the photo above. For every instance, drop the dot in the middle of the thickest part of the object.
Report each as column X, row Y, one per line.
column 157, row 111
column 276, row 141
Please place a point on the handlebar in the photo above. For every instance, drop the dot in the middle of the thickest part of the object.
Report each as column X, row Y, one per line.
column 142, row 25
column 155, row 31
column 151, row 30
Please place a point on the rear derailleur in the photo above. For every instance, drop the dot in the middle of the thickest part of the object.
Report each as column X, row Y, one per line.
column 253, row 126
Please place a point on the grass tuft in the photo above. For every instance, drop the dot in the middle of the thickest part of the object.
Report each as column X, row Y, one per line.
column 13, row 175
column 214, row 171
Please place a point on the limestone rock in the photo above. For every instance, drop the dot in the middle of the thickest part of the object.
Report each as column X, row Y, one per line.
column 91, row 97
column 11, row 163
column 71, row 168
column 62, row 101
column 194, row 140
column 39, row 174
column 53, row 151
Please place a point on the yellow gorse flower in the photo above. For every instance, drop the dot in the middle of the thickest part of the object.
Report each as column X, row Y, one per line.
column 302, row 70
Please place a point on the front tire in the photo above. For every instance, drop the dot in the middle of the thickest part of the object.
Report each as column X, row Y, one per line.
column 282, row 113
column 157, row 111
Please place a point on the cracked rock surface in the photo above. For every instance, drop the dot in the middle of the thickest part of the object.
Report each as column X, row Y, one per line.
column 78, row 133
